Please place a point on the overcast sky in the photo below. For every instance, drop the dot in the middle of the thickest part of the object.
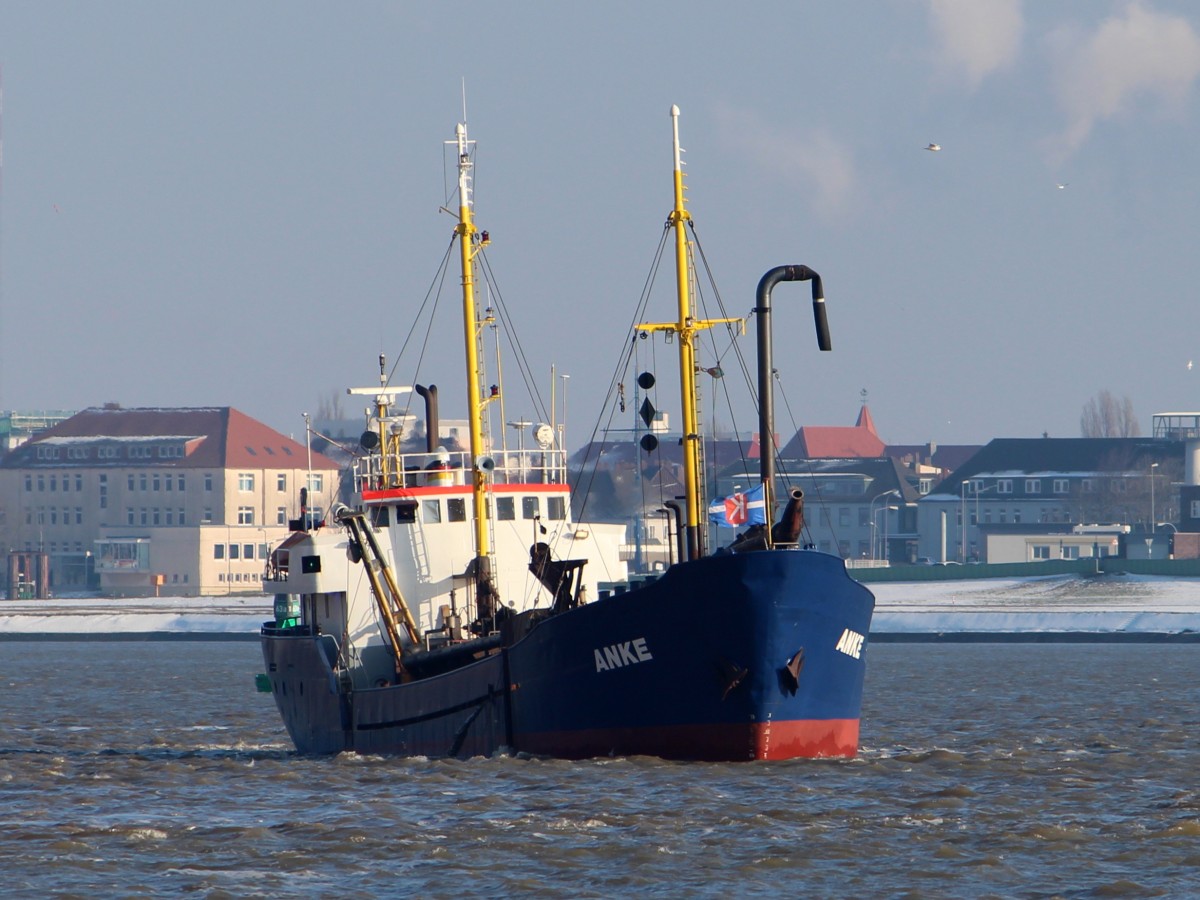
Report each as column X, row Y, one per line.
column 236, row 203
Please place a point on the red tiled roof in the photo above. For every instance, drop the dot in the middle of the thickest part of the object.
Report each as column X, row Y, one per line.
column 837, row 442
column 834, row 442
column 213, row 437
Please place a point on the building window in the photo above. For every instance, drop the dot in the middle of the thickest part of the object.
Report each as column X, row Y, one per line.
column 556, row 508
column 144, row 516
column 862, row 516
column 132, row 482
column 29, row 484
column 1062, row 486
column 218, row 551
column 1004, row 486
column 245, row 515
column 247, row 551
column 207, row 518
column 169, row 483
column 456, row 509
column 143, row 483
column 245, row 481
column 156, row 516
column 530, row 508
column 207, row 481
column 179, row 518
column 1195, row 509
column 506, row 509
column 157, row 483
column 1041, row 551
column 1033, row 485
column 1088, row 485
column 316, row 483
column 1071, row 552
column 170, row 517
column 234, row 551
column 1118, row 485
column 281, row 515
column 179, row 484
column 844, row 515
column 129, row 518
column 281, row 482
column 79, row 515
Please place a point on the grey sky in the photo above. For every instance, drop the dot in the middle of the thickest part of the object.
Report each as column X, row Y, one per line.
column 237, row 203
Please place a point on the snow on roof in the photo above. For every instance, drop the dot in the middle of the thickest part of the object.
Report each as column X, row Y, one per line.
column 65, row 439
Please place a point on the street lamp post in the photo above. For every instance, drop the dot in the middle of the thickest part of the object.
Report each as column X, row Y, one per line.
column 892, row 493
column 875, row 531
column 963, row 532
column 1153, row 527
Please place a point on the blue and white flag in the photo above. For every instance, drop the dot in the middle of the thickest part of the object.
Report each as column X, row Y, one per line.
column 739, row 509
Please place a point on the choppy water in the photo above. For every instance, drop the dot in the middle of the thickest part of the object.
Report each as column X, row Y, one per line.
column 987, row 770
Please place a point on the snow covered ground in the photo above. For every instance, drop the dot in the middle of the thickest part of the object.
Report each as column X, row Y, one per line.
column 1105, row 605
column 228, row 617
column 1067, row 604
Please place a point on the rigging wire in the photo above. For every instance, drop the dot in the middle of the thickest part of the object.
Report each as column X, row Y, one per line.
column 621, row 368
column 510, row 337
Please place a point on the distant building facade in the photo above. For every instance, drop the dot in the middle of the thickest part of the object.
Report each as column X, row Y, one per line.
column 1034, row 482
column 135, row 502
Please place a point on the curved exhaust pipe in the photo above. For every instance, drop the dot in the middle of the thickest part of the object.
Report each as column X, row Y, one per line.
column 766, row 413
column 429, row 394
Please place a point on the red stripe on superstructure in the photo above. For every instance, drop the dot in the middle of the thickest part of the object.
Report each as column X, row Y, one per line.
column 408, row 493
column 793, row 739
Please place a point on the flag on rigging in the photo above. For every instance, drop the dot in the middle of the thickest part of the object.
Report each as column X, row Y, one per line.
column 736, row 510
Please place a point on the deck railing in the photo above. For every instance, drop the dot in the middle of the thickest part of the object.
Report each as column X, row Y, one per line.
column 439, row 469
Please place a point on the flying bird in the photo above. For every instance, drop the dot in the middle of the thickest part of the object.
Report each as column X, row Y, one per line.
column 1189, row 365
column 934, row 147
column 1062, row 184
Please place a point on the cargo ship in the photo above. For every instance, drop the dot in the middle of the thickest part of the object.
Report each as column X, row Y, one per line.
column 454, row 608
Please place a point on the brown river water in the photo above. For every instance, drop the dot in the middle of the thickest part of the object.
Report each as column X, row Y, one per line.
column 986, row 770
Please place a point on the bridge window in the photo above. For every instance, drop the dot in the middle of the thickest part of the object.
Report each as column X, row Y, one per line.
column 506, row 509
column 456, row 509
column 431, row 511
column 556, row 508
column 530, row 508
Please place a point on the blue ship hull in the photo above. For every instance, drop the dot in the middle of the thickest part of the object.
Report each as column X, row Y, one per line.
column 732, row 657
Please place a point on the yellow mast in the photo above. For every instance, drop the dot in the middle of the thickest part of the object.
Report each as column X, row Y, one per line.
column 486, row 595
column 687, row 328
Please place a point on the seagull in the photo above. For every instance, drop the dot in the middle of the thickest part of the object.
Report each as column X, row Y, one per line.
column 1062, row 184
column 934, row 147
column 1189, row 365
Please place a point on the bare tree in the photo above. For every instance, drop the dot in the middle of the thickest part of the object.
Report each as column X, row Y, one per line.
column 1106, row 416
column 329, row 406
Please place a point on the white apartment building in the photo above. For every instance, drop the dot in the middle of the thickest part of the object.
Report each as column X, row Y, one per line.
column 137, row 502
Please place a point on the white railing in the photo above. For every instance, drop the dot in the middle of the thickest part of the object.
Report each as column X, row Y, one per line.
column 439, row 469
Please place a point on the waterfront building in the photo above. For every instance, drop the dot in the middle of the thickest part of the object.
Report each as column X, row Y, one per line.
column 135, row 502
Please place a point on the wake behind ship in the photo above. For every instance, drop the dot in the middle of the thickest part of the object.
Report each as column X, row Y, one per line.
column 454, row 608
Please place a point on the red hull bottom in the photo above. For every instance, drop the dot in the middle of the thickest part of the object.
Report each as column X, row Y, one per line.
column 798, row 739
